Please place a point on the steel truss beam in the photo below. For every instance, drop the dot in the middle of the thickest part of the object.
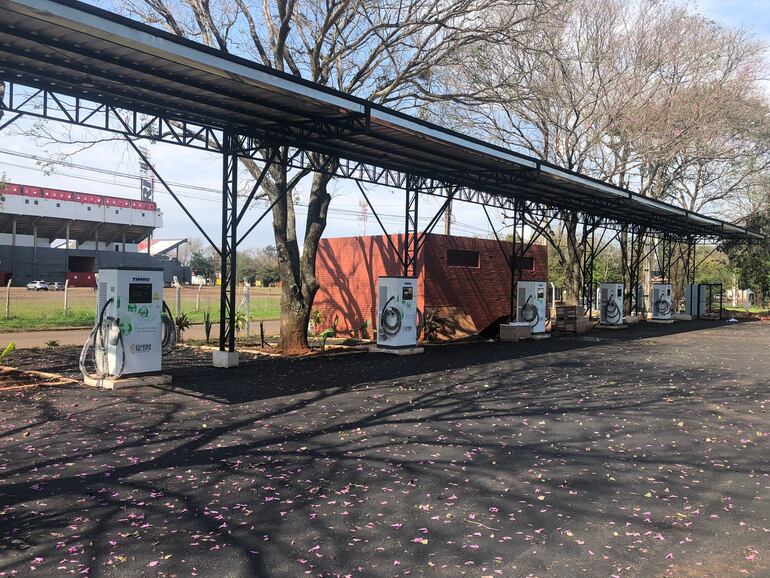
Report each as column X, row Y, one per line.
column 414, row 240
column 170, row 191
column 488, row 187
column 109, row 113
column 524, row 214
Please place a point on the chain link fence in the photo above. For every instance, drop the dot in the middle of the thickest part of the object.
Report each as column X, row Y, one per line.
column 64, row 315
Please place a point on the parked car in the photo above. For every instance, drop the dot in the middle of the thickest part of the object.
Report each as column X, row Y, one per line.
column 37, row 286
column 56, row 286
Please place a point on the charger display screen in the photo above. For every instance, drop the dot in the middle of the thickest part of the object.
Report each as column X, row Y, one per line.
column 140, row 292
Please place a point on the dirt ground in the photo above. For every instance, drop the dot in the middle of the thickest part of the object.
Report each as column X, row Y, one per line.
column 641, row 452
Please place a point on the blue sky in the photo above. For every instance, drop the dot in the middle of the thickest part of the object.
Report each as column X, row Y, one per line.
column 202, row 170
column 750, row 14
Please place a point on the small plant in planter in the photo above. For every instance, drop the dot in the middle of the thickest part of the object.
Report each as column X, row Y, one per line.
column 207, row 325
column 7, row 351
column 240, row 321
column 316, row 321
column 52, row 343
column 328, row 333
column 363, row 331
column 182, row 323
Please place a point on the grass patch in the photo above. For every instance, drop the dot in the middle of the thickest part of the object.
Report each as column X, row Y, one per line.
column 48, row 320
column 752, row 309
column 30, row 316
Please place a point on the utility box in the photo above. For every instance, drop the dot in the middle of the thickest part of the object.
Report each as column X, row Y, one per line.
column 531, row 304
column 662, row 305
column 131, row 299
column 397, row 312
column 695, row 299
column 611, row 304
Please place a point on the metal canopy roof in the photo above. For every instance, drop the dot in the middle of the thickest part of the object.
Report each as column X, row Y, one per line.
column 83, row 51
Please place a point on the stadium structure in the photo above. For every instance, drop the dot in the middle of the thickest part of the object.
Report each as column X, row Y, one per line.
column 56, row 235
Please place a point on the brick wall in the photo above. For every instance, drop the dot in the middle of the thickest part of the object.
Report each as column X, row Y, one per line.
column 482, row 293
column 347, row 269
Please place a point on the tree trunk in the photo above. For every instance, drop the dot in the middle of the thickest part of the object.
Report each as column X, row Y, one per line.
column 295, row 317
column 297, row 272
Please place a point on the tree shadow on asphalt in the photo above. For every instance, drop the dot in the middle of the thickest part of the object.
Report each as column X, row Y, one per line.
column 265, row 378
column 440, row 420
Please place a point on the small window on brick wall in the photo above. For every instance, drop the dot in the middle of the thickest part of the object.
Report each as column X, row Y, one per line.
column 460, row 258
column 525, row 263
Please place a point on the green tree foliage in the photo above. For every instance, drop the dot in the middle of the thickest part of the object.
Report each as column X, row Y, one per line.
column 259, row 265
column 713, row 267
column 607, row 265
column 203, row 265
column 752, row 263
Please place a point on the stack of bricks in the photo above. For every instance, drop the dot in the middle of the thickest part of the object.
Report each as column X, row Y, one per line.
column 566, row 318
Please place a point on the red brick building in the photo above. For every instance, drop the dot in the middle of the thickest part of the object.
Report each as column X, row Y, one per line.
column 466, row 279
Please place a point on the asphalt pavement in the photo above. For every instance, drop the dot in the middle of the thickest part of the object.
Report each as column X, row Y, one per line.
column 628, row 453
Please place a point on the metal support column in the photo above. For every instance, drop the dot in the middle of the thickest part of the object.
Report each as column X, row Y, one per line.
column 637, row 237
column 589, row 246
column 411, row 231
column 227, row 304
column 515, row 263
column 666, row 257
column 625, row 268
column 690, row 265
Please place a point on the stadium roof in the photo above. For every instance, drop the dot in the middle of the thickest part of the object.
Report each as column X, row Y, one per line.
column 82, row 51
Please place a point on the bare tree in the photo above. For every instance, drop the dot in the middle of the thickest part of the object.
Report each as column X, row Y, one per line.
column 645, row 95
column 389, row 51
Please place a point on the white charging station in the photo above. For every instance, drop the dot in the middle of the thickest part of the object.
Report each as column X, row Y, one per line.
column 396, row 313
column 662, row 302
column 531, row 306
column 611, row 304
column 130, row 331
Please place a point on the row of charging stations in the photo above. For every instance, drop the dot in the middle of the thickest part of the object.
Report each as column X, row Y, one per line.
column 134, row 327
column 398, row 322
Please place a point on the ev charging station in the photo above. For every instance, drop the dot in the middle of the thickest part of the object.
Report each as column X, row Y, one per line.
column 531, row 306
column 397, row 314
column 662, row 303
column 133, row 327
column 611, row 304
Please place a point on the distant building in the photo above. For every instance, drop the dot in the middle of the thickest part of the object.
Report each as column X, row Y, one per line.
column 56, row 235
column 467, row 281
